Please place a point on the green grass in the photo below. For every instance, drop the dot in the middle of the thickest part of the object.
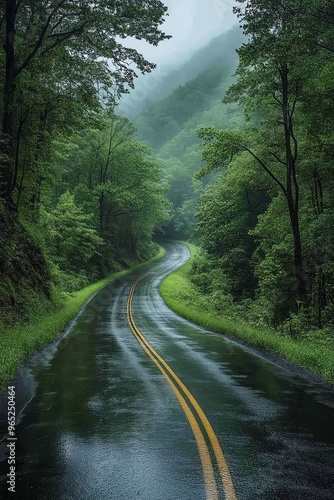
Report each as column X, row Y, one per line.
column 18, row 343
column 181, row 295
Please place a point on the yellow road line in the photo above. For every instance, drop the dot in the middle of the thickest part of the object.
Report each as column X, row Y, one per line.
column 203, row 449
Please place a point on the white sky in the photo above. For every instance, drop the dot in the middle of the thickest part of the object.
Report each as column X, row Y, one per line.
column 192, row 23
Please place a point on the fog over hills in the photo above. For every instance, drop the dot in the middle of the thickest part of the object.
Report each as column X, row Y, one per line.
column 166, row 78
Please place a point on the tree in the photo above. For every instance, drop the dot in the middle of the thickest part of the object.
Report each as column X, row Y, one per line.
column 73, row 239
column 285, row 85
column 270, row 83
column 85, row 34
column 116, row 178
column 62, row 63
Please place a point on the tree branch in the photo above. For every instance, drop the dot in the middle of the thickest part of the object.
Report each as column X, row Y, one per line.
column 60, row 38
column 57, row 23
column 269, row 172
column 295, row 142
column 278, row 159
column 276, row 99
column 18, row 5
column 113, row 214
column 40, row 38
column 322, row 46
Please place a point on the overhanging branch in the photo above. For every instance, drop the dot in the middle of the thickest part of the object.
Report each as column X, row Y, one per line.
column 269, row 172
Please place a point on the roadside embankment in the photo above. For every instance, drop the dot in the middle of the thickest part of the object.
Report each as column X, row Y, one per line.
column 313, row 353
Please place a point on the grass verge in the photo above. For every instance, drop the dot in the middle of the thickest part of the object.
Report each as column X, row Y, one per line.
column 18, row 343
column 182, row 297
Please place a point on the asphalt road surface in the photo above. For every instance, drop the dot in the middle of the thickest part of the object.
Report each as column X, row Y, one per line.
column 134, row 403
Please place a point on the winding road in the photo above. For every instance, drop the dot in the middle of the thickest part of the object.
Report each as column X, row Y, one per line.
column 137, row 403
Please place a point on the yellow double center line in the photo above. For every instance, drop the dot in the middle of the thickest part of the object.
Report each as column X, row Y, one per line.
column 181, row 391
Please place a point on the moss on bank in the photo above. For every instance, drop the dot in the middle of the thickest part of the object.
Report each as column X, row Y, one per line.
column 310, row 352
column 24, row 272
column 18, row 343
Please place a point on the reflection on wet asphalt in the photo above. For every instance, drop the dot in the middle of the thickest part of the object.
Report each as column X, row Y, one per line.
column 104, row 424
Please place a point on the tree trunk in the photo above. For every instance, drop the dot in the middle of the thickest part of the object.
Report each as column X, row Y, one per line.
column 292, row 186
column 7, row 146
column 37, row 183
column 101, row 214
column 301, row 292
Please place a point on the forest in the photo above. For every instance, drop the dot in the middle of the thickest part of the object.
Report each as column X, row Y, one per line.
column 80, row 196
column 249, row 158
column 272, row 240
column 237, row 158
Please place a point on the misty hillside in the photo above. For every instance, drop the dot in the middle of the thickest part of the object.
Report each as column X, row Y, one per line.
column 162, row 120
column 169, row 125
column 162, row 81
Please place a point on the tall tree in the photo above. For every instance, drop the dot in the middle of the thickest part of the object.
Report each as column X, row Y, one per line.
column 114, row 177
column 85, row 33
column 270, row 84
column 61, row 63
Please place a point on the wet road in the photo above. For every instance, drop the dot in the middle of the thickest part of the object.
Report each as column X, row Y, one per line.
column 105, row 423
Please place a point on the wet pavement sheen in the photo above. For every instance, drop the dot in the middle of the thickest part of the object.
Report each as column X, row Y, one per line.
column 104, row 424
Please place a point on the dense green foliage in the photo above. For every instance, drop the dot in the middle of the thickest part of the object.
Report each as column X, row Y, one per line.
column 266, row 224
column 310, row 351
column 79, row 195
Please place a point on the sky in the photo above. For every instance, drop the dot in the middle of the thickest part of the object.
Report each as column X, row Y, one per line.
column 192, row 23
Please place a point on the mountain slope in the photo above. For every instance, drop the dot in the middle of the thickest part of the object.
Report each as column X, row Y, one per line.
column 165, row 79
column 169, row 125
